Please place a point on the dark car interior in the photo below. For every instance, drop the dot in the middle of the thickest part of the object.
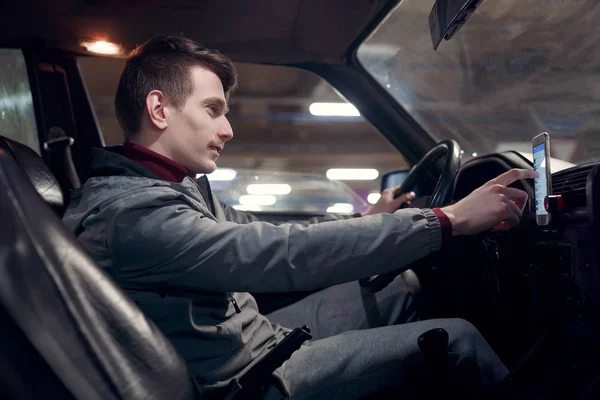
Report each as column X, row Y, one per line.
column 70, row 332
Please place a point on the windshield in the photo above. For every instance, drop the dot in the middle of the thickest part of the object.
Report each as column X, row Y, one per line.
column 516, row 68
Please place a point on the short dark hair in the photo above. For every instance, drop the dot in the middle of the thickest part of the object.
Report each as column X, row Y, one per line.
column 164, row 63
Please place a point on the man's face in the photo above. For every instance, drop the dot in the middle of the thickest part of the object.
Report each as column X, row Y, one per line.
column 197, row 132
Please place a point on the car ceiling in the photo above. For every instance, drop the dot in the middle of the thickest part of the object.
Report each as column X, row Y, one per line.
column 265, row 31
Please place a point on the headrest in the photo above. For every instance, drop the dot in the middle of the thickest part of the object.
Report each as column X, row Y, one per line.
column 38, row 173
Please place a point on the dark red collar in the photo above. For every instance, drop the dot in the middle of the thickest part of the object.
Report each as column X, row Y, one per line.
column 162, row 166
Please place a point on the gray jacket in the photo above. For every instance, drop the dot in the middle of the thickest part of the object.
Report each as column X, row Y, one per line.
column 189, row 268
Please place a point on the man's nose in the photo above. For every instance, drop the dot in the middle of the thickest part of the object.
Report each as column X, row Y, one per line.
column 225, row 131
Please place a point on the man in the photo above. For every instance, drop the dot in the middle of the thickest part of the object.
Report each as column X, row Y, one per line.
column 189, row 261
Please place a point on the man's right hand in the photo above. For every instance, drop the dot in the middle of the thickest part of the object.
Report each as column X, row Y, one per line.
column 490, row 205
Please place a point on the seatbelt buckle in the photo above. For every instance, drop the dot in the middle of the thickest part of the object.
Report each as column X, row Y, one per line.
column 250, row 385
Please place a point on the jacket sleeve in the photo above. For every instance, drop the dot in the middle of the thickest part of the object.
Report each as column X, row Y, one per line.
column 174, row 247
column 233, row 215
column 243, row 217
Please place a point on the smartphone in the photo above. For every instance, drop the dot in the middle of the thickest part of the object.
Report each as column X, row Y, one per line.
column 543, row 184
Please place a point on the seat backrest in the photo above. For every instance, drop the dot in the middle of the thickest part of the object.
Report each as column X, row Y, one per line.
column 25, row 374
column 95, row 341
column 38, row 173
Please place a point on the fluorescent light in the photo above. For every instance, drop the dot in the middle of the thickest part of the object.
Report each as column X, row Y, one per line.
column 344, row 208
column 102, row 47
column 333, row 109
column 373, row 198
column 222, row 174
column 257, row 200
column 352, row 174
column 268, row 188
column 247, row 207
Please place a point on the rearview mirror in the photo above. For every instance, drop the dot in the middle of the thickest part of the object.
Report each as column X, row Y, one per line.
column 448, row 16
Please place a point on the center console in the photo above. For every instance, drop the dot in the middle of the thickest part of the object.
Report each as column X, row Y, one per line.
column 550, row 290
column 533, row 292
column 562, row 264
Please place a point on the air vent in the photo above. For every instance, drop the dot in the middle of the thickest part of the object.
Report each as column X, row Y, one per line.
column 571, row 184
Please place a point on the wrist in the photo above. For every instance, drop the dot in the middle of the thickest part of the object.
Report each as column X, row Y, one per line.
column 454, row 220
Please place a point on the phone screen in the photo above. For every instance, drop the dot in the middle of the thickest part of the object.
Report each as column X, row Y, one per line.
column 540, row 184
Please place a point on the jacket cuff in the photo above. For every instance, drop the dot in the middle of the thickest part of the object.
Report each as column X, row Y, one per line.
column 445, row 224
column 435, row 229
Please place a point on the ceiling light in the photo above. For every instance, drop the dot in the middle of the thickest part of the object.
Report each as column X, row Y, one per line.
column 342, row 208
column 474, row 154
column 247, row 207
column 268, row 188
column 333, row 109
column 352, row 174
column 257, row 200
column 102, row 47
column 222, row 174
column 373, row 198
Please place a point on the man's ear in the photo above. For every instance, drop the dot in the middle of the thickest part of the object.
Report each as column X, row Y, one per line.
column 155, row 106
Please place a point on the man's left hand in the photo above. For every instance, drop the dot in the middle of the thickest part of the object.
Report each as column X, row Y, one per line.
column 387, row 203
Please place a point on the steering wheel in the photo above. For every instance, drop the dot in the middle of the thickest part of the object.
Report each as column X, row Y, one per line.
column 442, row 194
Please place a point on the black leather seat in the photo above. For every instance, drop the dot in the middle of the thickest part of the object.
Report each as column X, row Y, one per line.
column 67, row 330
column 40, row 176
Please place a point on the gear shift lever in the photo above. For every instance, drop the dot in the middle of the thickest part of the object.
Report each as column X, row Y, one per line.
column 434, row 347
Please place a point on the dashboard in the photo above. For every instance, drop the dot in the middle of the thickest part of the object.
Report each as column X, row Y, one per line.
column 533, row 291
column 548, row 273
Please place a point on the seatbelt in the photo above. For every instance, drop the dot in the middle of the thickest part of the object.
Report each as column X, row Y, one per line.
column 58, row 148
column 371, row 307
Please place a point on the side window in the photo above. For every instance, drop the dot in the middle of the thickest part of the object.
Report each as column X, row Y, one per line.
column 292, row 135
column 17, row 118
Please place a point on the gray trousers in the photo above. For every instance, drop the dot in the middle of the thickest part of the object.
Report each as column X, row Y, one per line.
column 363, row 346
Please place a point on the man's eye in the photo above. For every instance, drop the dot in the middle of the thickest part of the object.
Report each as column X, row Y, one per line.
column 214, row 109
